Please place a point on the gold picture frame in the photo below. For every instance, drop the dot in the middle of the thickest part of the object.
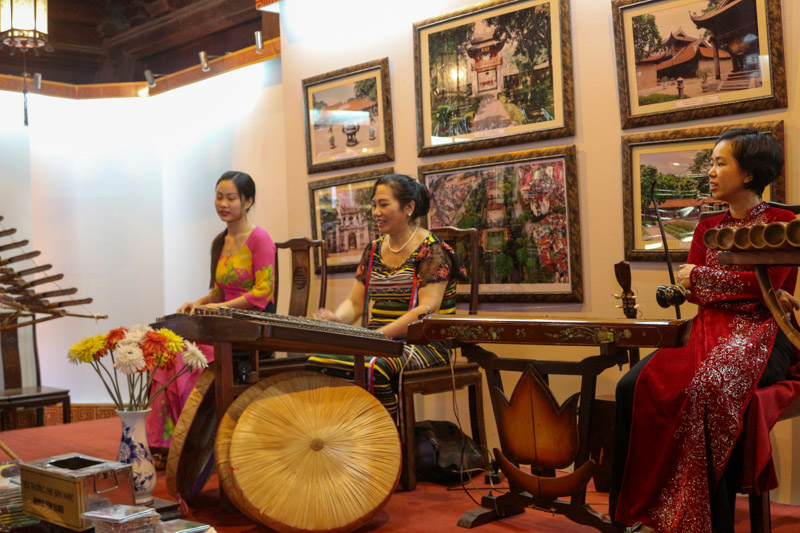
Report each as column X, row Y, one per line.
column 525, row 206
column 674, row 160
column 678, row 61
column 348, row 117
column 494, row 74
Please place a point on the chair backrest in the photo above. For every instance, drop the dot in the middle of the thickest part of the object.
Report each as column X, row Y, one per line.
column 11, row 353
column 450, row 233
column 794, row 208
column 301, row 273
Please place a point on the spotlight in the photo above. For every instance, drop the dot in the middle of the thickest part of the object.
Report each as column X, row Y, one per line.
column 204, row 61
column 259, row 42
column 150, row 77
column 37, row 80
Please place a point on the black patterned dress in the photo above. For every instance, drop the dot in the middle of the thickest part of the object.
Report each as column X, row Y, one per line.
column 392, row 291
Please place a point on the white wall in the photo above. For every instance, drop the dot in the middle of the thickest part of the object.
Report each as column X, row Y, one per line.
column 96, row 191
column 232, row 122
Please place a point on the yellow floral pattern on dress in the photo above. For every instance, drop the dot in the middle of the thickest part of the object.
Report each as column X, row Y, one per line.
column 248, row 272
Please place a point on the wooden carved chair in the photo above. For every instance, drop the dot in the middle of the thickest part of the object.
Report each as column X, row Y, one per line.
column 302, row 271
column 760, row 521
column 14, row 396
column 444, row 378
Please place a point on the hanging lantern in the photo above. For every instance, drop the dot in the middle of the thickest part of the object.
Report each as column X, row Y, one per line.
column 23, row 24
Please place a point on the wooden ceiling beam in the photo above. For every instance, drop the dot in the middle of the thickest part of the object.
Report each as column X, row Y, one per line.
column 187, row 24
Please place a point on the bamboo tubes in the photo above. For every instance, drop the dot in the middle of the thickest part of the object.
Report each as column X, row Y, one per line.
column 775, row 235
column 741, row 237
column 756, row 236
column 710, row 238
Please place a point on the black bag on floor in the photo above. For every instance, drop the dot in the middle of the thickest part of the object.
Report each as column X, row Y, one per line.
column 442, row 449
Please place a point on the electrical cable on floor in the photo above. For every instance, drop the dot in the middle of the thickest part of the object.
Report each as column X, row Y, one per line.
column 462, row 470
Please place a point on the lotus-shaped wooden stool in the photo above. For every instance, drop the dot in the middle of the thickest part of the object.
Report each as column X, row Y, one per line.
column 313, row 453
column 535, row 430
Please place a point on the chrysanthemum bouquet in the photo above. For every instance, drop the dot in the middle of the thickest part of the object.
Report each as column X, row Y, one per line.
column 136, row 353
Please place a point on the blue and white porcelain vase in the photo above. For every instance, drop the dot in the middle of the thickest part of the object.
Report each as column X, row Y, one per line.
column 133, row 450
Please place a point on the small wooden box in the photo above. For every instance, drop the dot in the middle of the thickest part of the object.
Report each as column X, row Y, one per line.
column 58, row 489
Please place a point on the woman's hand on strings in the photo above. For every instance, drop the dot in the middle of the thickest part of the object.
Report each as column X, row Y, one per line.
column 684, row 275
column 788, row 302
column 326, row 314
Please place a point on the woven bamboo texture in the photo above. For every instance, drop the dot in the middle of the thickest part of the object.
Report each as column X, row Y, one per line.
column 315, row 453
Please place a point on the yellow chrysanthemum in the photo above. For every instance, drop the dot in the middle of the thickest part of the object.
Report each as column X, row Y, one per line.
column 174, row 341
column 84, row 351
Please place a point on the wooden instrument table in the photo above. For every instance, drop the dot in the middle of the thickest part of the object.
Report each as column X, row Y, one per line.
column 266, row 331
column 614, row 338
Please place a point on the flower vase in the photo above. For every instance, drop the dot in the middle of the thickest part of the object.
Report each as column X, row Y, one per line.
column 133, row 450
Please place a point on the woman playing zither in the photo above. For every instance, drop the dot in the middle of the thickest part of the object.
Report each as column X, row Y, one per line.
column 406, row 273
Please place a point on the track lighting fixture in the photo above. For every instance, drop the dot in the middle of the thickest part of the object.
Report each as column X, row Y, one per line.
column 37, row 80
column 259, row 42
column 204, row 61
column 150, row 77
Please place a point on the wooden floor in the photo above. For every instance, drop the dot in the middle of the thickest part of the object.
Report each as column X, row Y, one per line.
column 431, row 508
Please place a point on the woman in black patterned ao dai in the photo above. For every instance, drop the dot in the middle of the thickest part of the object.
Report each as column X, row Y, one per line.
column 405, row 273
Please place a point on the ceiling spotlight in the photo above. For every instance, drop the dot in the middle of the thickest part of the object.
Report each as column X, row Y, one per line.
column 259, row 42
column 150, row 77
column 204, row 61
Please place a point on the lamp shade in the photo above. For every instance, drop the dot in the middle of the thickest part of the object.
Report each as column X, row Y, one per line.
column 23, row 23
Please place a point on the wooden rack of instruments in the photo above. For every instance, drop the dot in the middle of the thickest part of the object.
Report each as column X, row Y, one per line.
column 614, row 338
column 18, row 296
column 228, row 329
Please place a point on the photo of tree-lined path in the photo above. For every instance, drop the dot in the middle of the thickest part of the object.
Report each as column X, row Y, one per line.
column 492, row 73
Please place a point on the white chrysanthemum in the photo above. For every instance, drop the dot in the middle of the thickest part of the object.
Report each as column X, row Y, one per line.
column 130, row 358
column 193, row 357
column 136, row 334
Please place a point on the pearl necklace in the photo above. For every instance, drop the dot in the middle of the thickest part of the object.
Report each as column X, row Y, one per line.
column 398, row 250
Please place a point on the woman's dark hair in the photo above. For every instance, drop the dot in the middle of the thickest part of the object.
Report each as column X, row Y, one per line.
column 407, row 190
column 247, row 191
column 758, row 153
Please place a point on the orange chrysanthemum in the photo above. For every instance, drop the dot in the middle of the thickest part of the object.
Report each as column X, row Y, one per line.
column 150, row 363
column 154, row 343
column 114, row 336
column 168, row 361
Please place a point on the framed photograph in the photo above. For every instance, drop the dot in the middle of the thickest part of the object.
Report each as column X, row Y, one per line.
column 690, row 59
column 341, row 215
column 525, row 205
column 348, row 117
column 673, row 166
column 494, row 74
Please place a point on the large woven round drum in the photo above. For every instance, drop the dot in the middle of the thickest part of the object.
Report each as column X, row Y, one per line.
column 222, row 445
column 315, row 453
column 190, row 462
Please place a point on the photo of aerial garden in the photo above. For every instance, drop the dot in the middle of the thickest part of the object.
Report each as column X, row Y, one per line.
column 520, row 209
